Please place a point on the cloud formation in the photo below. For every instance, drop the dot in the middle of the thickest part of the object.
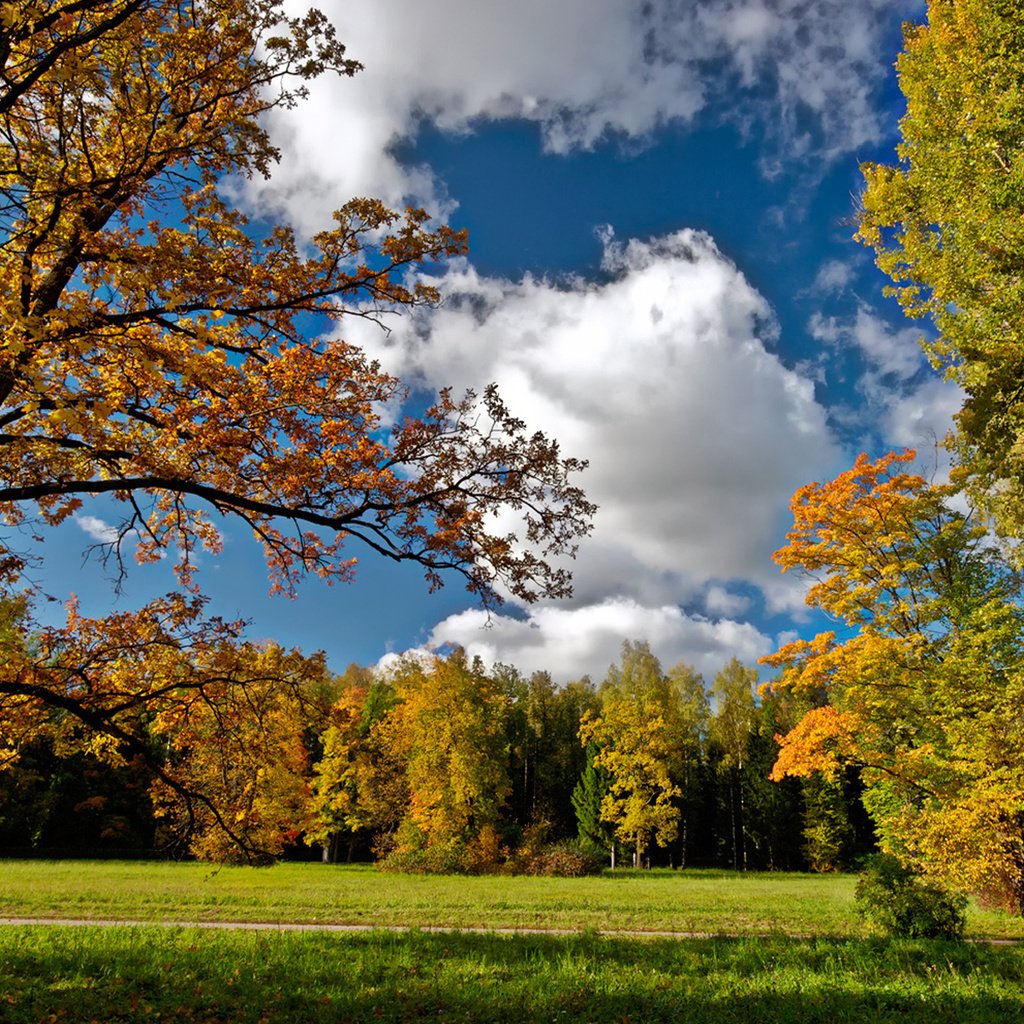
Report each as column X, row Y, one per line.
column 573, row 642
column 798, row 75
column 663, row 376
column 98, row 529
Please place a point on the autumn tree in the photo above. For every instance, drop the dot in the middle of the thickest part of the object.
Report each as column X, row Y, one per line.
column 242, row 748
column 636, row 746
column 335, row 806
column 450, row 722
column 947, row 224
column 217, row 723
column 732, row 726
column 922, row 688
column 163, row 351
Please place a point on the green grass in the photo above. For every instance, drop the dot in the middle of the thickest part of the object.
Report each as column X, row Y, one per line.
column 715, row 902
column 121, row 975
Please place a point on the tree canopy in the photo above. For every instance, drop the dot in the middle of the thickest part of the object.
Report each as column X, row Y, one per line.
column 947, row 224
column 164, row 350
column 921, row 686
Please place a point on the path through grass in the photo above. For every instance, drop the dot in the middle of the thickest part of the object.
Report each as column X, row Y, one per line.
column 714, row 902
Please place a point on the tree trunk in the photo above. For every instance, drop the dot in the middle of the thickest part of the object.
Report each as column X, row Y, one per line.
column 732, row 820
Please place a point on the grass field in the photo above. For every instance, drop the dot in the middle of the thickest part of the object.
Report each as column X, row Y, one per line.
column 713, row 902
column 159, row 976
column 187, row 975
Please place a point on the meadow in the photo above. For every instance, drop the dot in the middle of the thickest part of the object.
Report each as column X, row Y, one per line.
column 786, row 948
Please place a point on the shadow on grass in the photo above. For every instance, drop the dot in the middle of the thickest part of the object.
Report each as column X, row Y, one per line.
column 129, row 975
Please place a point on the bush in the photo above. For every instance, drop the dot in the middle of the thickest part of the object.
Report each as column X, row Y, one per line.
column 902, row 902
column 562, row 860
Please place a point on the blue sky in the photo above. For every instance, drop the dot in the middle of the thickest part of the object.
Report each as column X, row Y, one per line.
column 661, row 274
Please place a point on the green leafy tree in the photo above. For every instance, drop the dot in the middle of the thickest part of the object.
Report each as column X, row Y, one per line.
column 689, row 714
column 732, row 726
column 947, row 224
column 588, row 801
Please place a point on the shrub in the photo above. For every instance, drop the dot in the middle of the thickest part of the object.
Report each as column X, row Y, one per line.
column 900, row 901
column 564, row 860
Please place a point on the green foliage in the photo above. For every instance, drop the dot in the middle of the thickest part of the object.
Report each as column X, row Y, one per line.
column 901, row 902
column 947, row 224
column 826, row 829
column 587, row 797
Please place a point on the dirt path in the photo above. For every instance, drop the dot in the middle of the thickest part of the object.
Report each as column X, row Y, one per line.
column 290, row 926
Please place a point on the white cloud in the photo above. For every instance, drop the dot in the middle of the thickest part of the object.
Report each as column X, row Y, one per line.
column 923, row 417
column 899, row 405
column 98, row 529
column 720, row 601
column 802, row 74
column 696, row 433
column 833, row 277
column 572, row 642
column 887, row 351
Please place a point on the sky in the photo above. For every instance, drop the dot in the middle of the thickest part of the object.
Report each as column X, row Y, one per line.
column 660, row 200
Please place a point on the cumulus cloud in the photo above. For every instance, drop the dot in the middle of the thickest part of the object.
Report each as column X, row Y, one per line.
column 902, row 405
column 573, row 642
column 922, row 417
column 662, row 376
column 800, row 75
column 720, row 601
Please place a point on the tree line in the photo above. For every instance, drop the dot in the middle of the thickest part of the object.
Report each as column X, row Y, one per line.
column 444, row 765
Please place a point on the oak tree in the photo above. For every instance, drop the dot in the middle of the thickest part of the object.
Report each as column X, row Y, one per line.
column 161, row 349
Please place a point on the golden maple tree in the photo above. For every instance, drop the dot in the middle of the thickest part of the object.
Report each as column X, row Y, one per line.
column 920, row 685
column 161, row 349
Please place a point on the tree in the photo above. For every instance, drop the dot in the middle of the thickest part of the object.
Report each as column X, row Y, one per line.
column 450, row 721
column 689, row 714
column 732, row 726
column 168, row 365
column 242, row 748
column 160, row 350
column 588, row 802
column 924, row 692
column 636, row 746
column 335, row 806
column 217, row 723
column 947, row 225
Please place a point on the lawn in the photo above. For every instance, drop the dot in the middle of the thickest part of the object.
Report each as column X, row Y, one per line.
column 708, row 902
column 120, row 975
column 757, row 969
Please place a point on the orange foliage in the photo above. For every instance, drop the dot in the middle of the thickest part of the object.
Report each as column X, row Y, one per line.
column 160, row 349
column 182, row 368
column 921, row 687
